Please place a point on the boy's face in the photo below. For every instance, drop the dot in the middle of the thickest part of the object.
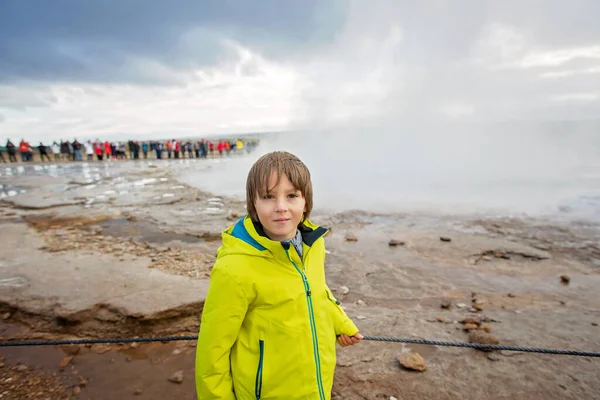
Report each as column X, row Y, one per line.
column 281, row 210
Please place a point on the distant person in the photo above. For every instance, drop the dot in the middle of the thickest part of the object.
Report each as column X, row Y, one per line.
column 56, row 151
column 135, row 146
column 239, row 145
column 244, row 348
column 77, row 151
column 145, row 149
column 211, row 148
column 99, row 149
column 190, row 149
column 176, row 148
column 24, row 150
column 107, row 150
column 43, row 152
column 169, row 145
column 11, row 149
column 197, row 149
column 65, row 150
column 220, row 147
column 2, row 150
column 122, row 150
column 89, row 150
column 203, row 148
column 158, row 148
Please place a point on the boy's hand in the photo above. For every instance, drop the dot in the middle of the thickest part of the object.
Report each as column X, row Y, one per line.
column 345, row 340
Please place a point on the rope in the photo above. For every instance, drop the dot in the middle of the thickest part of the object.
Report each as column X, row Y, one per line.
column 371, row 338
column 486, row 346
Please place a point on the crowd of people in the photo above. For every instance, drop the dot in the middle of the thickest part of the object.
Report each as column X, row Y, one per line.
column 91, row 150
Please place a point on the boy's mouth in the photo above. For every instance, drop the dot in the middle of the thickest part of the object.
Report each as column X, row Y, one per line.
column 282, row 220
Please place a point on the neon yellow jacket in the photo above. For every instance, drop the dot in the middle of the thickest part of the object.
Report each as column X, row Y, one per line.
column 269, row 324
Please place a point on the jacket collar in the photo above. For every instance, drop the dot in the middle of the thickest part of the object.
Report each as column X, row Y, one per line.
column 252, row 233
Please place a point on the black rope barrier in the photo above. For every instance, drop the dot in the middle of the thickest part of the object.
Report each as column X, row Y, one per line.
column 478, row 346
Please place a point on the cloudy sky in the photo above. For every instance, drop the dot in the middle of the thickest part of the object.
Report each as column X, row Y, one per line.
column 155, row 69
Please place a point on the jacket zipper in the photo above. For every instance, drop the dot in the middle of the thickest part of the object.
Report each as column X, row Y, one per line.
column 259, row 370
column 313, row 327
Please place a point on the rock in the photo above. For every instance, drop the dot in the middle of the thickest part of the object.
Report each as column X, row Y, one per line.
column 138, row 391
column 565, row 279
column 361, row 302
column 446, row 304
column 393, row 398
column 477, row 336
column 478, row 305
column 344, row 290
column 1, row 365
column 445, row 239
column 441, row 319
column 511, row 295
column 412, row 361
column 351, row 237
column 345, row 363
column 76, row 390
column 493, row 357
column 177, row 377
column 471, row 320
column 134, row 345
column 66, row 361
column 469, row 327
column 594, row 324
column 176, row 352
column 234, row 214
column 461, row 305
column 6, row 316
column 563, row 303
column 486, row 327
column 22, row 368
column 486, row 258
column 395, row 242
column 361, row 317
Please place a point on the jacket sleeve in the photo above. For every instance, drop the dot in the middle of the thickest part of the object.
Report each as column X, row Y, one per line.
column 224, row 311
column 342, row 324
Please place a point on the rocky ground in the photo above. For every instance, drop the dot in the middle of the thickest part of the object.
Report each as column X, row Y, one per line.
column 97, row 251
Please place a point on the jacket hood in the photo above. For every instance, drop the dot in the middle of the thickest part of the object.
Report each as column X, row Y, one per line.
column 248, row 238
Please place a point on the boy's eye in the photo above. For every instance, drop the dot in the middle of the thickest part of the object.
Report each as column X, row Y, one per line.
column 268, row 196
column 292, row 195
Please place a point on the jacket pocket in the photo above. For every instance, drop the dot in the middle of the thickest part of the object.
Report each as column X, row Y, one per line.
column 259, row 370
column 333, row 300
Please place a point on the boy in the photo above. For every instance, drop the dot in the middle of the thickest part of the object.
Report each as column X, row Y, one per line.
column 270, row 322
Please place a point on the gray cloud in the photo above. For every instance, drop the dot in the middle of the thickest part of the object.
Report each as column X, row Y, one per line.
column 100, row 40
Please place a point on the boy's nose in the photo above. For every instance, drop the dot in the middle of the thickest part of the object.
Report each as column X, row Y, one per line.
column 281, row 205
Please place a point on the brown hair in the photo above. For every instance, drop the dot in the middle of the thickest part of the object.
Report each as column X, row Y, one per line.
column 280, row 163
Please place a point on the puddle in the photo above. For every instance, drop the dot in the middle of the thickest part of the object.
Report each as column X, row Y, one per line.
column 143, row 232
